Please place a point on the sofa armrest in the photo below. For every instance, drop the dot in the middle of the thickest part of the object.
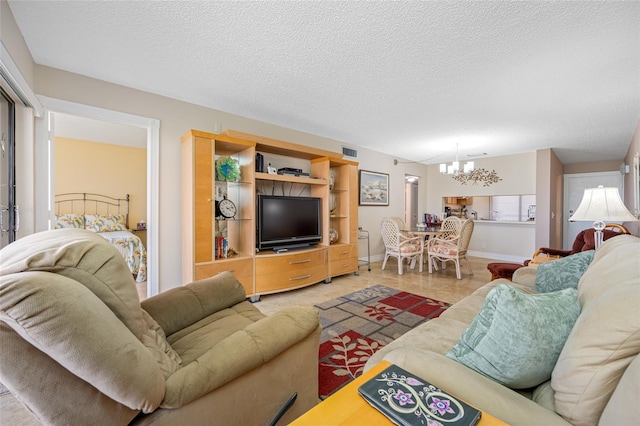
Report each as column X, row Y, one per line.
column 525, row 276
column 552, row 252
column 180, row 307
column 241, row 352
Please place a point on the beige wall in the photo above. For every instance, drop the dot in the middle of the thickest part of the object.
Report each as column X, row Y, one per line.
column 549, row 196
column 176, row 118
column 100, row 168
column 14, row 42
column 599, row 166
column 518, row 173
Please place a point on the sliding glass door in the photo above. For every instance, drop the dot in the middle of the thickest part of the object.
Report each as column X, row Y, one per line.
column 8, row 207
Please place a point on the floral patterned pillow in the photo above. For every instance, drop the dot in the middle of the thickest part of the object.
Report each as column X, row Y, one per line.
column 69, row 221
column 98, row 223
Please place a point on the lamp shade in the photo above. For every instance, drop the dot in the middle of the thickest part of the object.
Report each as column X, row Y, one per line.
column 602, row 204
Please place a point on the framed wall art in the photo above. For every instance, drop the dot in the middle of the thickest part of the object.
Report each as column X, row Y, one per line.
column 374, row 188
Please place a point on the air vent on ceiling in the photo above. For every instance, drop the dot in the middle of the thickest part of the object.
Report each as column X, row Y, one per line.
column 349, row 152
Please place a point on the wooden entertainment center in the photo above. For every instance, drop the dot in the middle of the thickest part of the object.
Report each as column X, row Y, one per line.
column 331, row 178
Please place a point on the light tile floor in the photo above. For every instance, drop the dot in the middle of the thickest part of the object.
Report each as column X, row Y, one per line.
column 441, row 285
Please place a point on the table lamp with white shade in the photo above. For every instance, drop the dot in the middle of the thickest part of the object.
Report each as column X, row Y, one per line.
column 601, row 204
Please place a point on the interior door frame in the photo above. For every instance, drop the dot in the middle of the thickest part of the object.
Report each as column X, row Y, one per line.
column 411, row 191
column 44, row 140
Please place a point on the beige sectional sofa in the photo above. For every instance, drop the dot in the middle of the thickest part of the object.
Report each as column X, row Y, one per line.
column 77, row 347
column 596, row 378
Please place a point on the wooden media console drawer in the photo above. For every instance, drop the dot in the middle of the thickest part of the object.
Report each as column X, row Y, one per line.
column 342, row 251
column 343, row 259
column 343, row 266
column 242, row 269
column 276, row 272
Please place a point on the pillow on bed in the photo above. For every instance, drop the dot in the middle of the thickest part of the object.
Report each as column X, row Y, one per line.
column 98, row 223
column 70, row 220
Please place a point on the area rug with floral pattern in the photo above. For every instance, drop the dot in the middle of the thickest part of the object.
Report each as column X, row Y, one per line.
column 358, row 324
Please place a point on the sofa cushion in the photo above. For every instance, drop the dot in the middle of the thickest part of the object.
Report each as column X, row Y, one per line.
column 86, row 258
column 64, row 320
column 623, row 407
column 154, row 339
column 178, row 308
column 516, row 337
column 193, row 341
column 606, row 337
column 562, row 273
column 437, row 335
column 241, row 351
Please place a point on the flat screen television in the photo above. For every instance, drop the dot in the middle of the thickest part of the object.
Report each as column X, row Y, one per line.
column 285, row 222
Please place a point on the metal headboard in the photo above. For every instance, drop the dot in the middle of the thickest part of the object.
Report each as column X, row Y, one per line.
column 89, row 203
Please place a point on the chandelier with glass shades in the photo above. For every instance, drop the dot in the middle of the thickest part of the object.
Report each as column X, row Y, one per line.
column 469, row 173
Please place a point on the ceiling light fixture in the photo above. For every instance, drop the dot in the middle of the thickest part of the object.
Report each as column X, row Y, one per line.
column 469, row 173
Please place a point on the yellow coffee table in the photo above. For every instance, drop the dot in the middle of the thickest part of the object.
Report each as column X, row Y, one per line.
column 347, row 407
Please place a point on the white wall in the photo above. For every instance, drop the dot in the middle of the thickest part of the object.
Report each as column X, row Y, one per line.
column 505, row 242
column 509, row 241
column 176, row 118
column 369, row 217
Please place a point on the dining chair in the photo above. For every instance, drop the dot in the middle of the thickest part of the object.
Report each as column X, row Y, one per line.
column 451, row 248
column 450, row 227
column 399, row 244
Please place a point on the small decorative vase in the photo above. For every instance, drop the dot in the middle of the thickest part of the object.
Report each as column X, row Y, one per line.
column 332, row 178
column 333, row 236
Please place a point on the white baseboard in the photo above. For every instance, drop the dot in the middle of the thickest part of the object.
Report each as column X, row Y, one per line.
column 483, row 254
column 498, row 256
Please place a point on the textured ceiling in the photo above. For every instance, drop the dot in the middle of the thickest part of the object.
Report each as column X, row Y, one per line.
column 410, row 79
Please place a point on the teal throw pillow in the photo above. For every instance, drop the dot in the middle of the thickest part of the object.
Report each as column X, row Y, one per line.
column 516, row 337
column 562, row 273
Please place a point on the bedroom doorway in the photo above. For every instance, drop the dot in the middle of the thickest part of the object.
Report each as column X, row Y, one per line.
column 56, row 107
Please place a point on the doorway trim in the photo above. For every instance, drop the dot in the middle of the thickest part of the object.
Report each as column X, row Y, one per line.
column 44, row 188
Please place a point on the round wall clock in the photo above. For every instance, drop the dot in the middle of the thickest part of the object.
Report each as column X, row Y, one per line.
column 226, row 208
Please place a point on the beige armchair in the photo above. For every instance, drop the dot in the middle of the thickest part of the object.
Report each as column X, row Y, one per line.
column 78, row 347
column 451, row 248
column 401, row 245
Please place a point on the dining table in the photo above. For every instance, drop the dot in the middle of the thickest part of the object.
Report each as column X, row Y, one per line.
column 425, row 232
